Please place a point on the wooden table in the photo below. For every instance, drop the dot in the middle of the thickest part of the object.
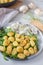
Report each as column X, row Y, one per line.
column 16, row 5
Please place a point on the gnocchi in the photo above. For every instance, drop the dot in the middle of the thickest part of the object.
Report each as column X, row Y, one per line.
column 9, row 49
column 5, row 1
column 26, row 52
column 35, row 49
column 6, row 42
column 18, row 40
column 21, row 56
column 23, row 43
column 15, row 43
column 31, row 50
column 14, row 51
column 20, row 46
column 27, row 38
column 19, row 49
column 5, row 37
column 17, row 35
column 27, row 46
column 10, row 33
column 22, row 37
column 11, row 39
column 2, row 48
column 32, row 43
column 33, row 38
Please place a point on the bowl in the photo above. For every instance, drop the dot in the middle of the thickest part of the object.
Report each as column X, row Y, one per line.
column 39, row 36
column 7, row 4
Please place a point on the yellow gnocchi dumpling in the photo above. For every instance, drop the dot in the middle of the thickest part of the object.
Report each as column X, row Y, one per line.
column 23, row 43
column 32, row 43
column 5, row 1
column 33, row 38
column 5, row 37
column 14, row 51
column 26, row 52
column 27, row 46
column 11, row 39
column 19, row 49
column 2, row 48
column 21, row 56
column 31, row 50
column 11, row 0
column 17, row 35
column 27, row 38
column 6, row 42
column 18, row 40
column 9, row 49
column 10, row 33
column 35, row 49
column 1, row 1
column 22, row 37
column 15, row 43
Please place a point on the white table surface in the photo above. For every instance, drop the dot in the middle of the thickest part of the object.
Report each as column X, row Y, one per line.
column 38, row 3
column 34, row 61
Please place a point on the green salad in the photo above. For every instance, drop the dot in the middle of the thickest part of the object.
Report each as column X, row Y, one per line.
column 17, row 46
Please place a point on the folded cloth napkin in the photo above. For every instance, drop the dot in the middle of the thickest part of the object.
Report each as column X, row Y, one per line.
column 6, row 15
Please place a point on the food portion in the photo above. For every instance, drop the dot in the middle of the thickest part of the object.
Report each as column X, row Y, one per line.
column 16, row 45
column 5, row 1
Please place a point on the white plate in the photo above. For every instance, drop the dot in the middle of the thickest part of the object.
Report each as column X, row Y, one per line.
column 36, row 31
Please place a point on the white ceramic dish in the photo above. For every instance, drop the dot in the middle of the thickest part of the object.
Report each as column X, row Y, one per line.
column 35, row 31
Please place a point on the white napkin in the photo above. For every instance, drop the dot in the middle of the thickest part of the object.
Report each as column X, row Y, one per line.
column 6, row 15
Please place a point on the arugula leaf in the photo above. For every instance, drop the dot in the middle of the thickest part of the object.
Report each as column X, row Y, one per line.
column 36, row 42
column 8, row 30
column 13, row 56
column 2, row 33
column 5, row 56
column 1, row 41
column 31, row 35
